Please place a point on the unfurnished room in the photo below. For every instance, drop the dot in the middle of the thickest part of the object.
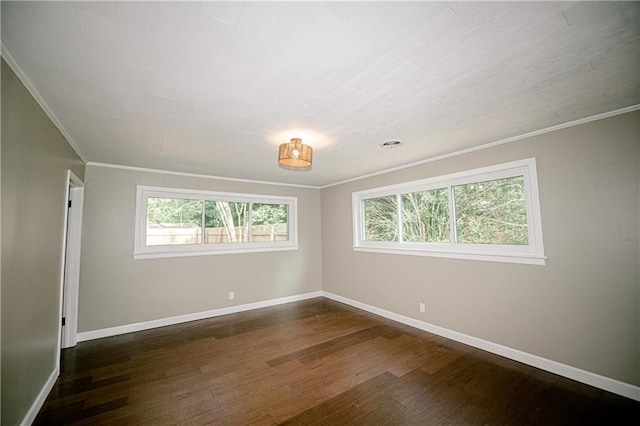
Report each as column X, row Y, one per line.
column 320, row 213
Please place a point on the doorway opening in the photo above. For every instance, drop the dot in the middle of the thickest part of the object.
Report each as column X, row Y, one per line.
column 70, row 278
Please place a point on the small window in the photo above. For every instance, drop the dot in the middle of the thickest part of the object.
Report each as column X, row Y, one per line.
column 491, row 214
column 176, row 222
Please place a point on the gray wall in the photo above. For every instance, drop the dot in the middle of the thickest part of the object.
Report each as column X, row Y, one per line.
column 35, row 157
column 581, row 309
column 117, row 290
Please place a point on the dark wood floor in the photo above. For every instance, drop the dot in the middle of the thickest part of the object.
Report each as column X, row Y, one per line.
column 315, row 362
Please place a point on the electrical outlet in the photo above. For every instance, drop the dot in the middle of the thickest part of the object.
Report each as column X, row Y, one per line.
column 232, row 295
column 422, row 307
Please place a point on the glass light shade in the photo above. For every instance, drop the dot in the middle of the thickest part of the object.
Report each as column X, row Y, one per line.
column 295, row 155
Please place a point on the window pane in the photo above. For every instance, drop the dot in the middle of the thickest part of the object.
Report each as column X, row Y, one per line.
column 425, row 216
column 381, row 219
column 269, row 222
column 492, row 212
column 226, row 222
column 173, row 221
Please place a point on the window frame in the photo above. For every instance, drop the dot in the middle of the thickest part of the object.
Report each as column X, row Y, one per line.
column 532, row 254
column 143, row 251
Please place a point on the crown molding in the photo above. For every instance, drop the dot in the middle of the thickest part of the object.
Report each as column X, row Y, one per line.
column 495, row 143
column 72, row 142
column 10, row 60
column 195, row 175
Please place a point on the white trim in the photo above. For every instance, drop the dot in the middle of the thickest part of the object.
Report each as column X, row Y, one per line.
column 146, row 325
column 40, row 100
column 63, row 255
column 140, row 256
column 605, row 383
column 494, row 143
column 144, row 251
column 214, row 195
column 456, row 178
column 396, row 168
column 31, row 88
column 71, row 281
column 195, row 175
column 611, row 385
column 531, row 253
column 527, row 260
column 30, row 417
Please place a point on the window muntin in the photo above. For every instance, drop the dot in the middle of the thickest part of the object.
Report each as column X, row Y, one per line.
column 179, row 222
column 491, row 214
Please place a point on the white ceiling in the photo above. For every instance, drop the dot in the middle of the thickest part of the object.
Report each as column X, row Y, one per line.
column 213, row 87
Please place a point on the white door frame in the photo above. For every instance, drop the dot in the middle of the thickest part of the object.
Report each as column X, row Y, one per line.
column 70, row 275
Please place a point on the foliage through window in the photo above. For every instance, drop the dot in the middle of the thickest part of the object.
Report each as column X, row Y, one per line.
column 174, row 222
column 491, row 212
column 226, row 222
column 484, row 214
column 381, row 219
column 269, row 222
column 425, row 216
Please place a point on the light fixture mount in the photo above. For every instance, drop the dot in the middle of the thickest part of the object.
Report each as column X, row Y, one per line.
column 295, row 155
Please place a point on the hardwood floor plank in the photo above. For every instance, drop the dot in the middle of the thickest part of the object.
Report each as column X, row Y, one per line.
column 314, row 362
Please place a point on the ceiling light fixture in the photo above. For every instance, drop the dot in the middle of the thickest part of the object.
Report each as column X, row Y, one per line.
column 295, row 155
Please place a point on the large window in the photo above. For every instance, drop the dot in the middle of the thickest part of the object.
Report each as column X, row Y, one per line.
column 179, row 222
column 491, row 214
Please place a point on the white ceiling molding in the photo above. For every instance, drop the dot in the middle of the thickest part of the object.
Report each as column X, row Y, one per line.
column 496, row 143
column 213, row 88
column 34, row 92
column 393, row 169
column 194, row 175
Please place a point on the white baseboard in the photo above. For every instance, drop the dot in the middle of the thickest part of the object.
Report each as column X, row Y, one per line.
column 139, row 326
column 41, row 398
column 592, row 379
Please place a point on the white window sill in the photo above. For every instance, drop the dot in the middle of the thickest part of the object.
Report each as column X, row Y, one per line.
column 155, row 255
column 511, row 258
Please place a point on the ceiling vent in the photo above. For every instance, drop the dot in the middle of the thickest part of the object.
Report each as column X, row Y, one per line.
column 391, row 144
